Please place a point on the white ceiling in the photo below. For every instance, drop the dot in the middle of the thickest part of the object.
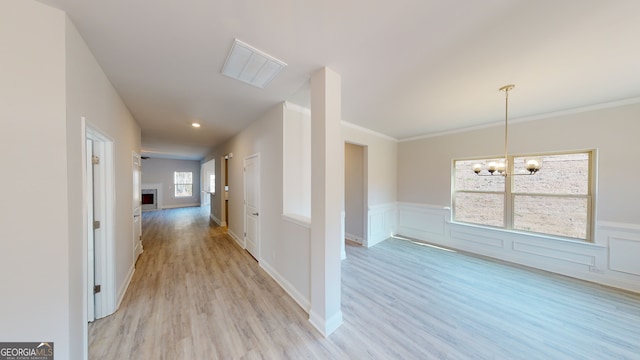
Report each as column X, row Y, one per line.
column 408, row 67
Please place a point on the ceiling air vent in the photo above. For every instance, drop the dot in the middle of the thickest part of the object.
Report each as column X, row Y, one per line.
column 250, row 65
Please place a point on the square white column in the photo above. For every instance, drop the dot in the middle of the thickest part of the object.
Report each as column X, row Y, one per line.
column 327, row 198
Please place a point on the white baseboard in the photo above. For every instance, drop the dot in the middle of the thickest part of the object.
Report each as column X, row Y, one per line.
column 325, row 326
column 138, row 250
column 353, row 238
column 298, row 297
column 216, row 220
column 180, row 206
column 236, row 238
column 123, row 289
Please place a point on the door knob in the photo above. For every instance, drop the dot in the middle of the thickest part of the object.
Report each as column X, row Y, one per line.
column 255, row 213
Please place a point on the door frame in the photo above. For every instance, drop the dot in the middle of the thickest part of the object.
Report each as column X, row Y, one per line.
column 257, row 184
column 106, row 194
column 365, row 197
column 224, row 189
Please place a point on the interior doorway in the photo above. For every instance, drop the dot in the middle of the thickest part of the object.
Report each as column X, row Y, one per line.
column 225, row 190
column 208, row 181
column 355, row 190
column 99, row 214
column 252, row 205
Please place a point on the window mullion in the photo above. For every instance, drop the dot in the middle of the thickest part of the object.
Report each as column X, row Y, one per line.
column 508, row 198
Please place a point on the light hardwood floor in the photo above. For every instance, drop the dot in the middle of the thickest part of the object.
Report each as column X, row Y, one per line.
column 197, row 295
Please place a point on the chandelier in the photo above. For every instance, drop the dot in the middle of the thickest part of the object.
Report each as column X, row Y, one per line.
column 501, row 167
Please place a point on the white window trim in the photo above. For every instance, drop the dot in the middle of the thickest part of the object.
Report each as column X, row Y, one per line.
column 509, row 197
column 175, row 185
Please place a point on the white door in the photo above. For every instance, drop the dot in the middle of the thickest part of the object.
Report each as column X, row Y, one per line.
column 96, row 236
column 137, row 206
column 99, row 216
column 252, row 205
column 91, row 309
column 99, row 195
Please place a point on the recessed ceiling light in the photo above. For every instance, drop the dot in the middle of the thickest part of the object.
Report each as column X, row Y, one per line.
column 195, row 125
column 250, row 65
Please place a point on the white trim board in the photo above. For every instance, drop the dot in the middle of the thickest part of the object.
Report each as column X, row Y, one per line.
column 180, row 206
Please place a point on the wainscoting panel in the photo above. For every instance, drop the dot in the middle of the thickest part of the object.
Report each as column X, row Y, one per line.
column 554, row 253
column 613, row 259
column 624, row 255
column 422, row 221
column 624, row 246
column 477, row 239
column 382, row 223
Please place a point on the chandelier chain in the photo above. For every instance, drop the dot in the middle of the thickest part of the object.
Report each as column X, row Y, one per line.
column 506, row 127
column 502, row 167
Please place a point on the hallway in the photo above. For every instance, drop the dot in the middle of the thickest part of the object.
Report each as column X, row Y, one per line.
column 196, row 295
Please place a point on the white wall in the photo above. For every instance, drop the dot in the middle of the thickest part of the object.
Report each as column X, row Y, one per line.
column 285, row 241
column 424, row 192
column 91, row 95
column 160, row 171
column 34, row 234
column 297, row 162
column 50, row 80
column 380, row 176
column 284, row 245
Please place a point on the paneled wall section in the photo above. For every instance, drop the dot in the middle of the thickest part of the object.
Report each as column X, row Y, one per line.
column 611, row 260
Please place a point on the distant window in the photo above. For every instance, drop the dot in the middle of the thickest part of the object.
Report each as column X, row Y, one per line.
column 183, row 184
column 212, row 182
column 556, row 201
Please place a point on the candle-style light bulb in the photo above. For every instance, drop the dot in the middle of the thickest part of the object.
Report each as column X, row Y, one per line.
column 532, row 166
column 492, row 166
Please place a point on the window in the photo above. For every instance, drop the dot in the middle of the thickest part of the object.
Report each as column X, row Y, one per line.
column 183, row 184
column 212, row 182
column 556, row 201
